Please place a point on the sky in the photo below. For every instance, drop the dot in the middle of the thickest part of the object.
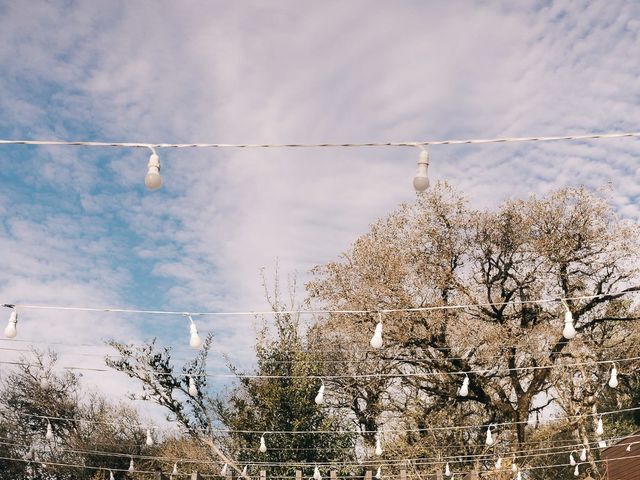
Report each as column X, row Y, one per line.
column 78, row 227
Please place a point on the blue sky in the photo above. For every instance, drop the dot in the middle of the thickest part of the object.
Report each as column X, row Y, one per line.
column 79, row 228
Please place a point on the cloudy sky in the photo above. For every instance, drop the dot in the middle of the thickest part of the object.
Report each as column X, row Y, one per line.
column 79, row 228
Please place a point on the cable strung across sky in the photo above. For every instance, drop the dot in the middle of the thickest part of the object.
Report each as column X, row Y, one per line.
column 153, row 180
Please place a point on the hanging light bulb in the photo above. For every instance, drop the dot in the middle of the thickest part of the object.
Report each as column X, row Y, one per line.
column 224, row 470
column 244, row 471
column 421, row 180
column 569, row 332
column 49, row 435
column 379, row 473
column 519, row 475
column 263, row 444
column 149, row 441
column 111, row 477
column 11, row 330
column 572, row 461
column 153, row 180
column 320, row 395
column 316, row 474
column 600, row 427
column 378, row 446
column 464, row 389
column 499, row 463
column 132, row 468
column 629, row 448
column 376, row 340
column 576, row 471
column 583, row 454
column 194, row 340
column 514, row 466
column 175, row 469
column 613, row 379
column 193, row 388
column 447, row 470
column 489, row 441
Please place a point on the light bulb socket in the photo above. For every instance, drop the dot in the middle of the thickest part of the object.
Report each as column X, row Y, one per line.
column 154, row 162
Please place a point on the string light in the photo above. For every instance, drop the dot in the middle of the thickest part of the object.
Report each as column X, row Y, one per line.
column 11, row 330
column 489, row 441
column 421, row 180
column 378, row 446
column 613, row 379
column 223, row 471
column 376, row 340
column 193, row 388
column 175, row 469
column 132, row 467
column 316, row 473
column 149, row 441
column 244, row 471
column 153, row 180
column 576, row 471
column 572, row 461
column 569, row 332
column 194, row 338
column 583, row 454
column 447, row 470
column 464, row 389
column 263, row 444
column 599, row 427
column 499, row 463
column 379, row 473
column 514, row 466
column 111, row 477
column 49, row 435
column 320, row 396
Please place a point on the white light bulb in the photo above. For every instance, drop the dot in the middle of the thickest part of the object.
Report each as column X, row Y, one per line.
column 223, row 472
column 572, row 461
column 629, row 448
column 447, row 470
column 316, row 474
column 376, row 340
column 600, row 427
column 111, row 477
column 194, row 340
column 379, row 473
column 464, row 389
column 11, row 330
column 132, row 468
column 576, row 471
column 583, row 455
column 193, row 388
column 320, row 395
column 263, row 444
column 175, row 469
column 153, row 180
column 149, row 441
column 499, row 463
column 613, row 379
column 49, row 435
column 378, row 447
column 421, row 180
column 514, row 466
column 519, row 475
column 489, row 440
column 569, row 332
column 244, row 471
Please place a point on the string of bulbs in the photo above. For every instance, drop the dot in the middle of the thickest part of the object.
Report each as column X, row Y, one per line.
column 153, row 180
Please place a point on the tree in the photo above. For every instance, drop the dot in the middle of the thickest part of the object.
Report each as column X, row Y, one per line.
column 281, row 401
column 439, row 252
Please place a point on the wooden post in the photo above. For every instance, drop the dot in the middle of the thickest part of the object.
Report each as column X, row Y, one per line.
column 263, row 475
column 403, row 474
column 298, row 474
column 333, row 475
